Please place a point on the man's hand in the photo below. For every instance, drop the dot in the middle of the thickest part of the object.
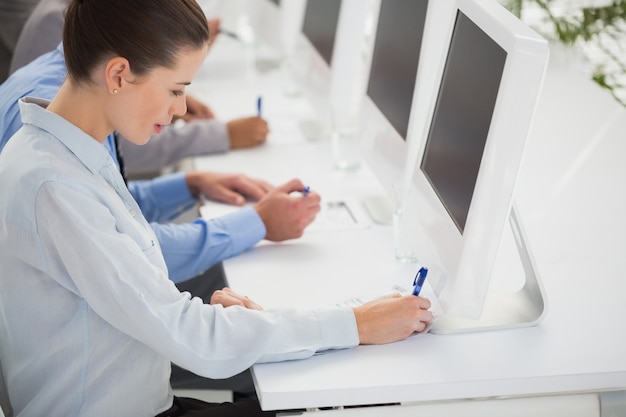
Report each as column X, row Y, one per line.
column 196, row 110
column 227, row 188
column 286, row 216
column 214, row 30
column 247, row 132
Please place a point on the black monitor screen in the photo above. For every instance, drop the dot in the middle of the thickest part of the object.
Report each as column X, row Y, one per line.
column 395, row 59
column 462, row 116
column 320, row 25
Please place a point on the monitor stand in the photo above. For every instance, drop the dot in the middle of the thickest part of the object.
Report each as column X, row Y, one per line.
column 522, row 308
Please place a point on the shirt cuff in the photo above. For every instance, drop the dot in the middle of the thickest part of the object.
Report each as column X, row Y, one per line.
column 245, row 227
column 172, row 194
column 338, row 327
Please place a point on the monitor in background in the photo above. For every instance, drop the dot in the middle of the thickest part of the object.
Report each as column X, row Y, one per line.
column 463, row 160
column 395, row 59
column 348, row 75
column 320, row 25
column 397, row 47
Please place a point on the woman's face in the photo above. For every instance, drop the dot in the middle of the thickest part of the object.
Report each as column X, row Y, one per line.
column 150, row 102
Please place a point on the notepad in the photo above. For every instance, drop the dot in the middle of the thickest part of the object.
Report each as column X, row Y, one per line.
column 340, row 214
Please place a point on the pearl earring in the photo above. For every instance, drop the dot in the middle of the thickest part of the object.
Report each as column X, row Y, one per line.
column 115, row 91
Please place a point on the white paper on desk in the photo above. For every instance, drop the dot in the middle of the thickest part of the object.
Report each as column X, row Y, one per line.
column 285, row 132
column 373, row 294
column 335, row 214
column 285, row 117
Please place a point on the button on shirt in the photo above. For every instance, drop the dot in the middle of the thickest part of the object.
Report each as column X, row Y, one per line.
column 89, row 320
column 189, row 249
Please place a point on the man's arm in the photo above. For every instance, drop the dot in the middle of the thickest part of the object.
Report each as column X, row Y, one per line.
column 174, row 143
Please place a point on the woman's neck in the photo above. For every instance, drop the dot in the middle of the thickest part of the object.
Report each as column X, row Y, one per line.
column 83, row 107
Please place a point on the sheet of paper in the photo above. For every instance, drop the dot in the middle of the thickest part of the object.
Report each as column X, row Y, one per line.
column 335, row 214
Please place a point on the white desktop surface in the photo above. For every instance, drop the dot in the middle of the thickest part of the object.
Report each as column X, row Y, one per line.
column 572, row 200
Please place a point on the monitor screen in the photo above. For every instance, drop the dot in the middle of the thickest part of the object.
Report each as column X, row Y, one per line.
column 395, row 59
column 462, row 116
column 320, row 25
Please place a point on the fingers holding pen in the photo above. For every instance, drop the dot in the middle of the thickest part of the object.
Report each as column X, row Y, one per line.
column 286, row 214
column 247, row 132
column 392, row 318
column 307, row 202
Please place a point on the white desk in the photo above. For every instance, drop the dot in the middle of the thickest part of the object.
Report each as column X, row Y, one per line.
column 572, row 200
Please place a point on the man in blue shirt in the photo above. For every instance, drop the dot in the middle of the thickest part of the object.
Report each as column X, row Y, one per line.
column 200, row 134
column 189, row 249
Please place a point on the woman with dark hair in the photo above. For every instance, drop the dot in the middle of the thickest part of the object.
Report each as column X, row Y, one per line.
column 89, row 321
column 202, row 134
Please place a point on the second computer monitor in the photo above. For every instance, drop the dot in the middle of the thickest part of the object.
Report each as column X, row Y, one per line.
column 395, row 59
column 388, row 107
column 320, row 25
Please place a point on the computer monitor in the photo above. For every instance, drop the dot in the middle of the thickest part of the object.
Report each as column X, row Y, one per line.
column 465, row 151
column 320, row 25
column 350, row 66
column 319, row 28
column 395, row 59
column 397, row 47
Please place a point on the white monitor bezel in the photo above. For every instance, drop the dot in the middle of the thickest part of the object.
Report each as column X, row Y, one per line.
column 339, row 88
column 351, row 60
column 461, row 265
column 382, row 148
column 316, row 73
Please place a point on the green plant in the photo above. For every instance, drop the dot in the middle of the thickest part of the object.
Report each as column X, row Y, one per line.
column 600, row 25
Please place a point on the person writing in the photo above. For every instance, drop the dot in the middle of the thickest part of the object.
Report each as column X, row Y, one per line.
column 201, row 134
column 189, row 248
column 192, row 249
column 82, row 268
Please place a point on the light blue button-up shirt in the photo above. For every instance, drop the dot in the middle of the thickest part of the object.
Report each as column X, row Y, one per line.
column 188, row 249
column 89, row 320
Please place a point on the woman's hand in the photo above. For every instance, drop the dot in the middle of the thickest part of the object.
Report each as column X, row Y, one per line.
column 392, row 318
column 228, row 297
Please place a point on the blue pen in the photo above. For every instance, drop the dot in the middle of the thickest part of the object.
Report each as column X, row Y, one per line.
column 306, row 191
column 259, row 105
column 418, row 282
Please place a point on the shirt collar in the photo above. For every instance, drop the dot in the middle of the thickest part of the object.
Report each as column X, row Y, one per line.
column 87, row 149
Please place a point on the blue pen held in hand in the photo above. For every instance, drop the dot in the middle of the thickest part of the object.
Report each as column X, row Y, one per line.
column 418, row 282
column 306, row 191
column 259, row 106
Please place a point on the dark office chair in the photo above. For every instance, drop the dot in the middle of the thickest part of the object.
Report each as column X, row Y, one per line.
column 241, row 385
column 5, row 406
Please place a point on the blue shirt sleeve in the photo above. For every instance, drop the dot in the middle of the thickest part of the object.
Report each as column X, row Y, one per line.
column 163, row 198
column 192, row 248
